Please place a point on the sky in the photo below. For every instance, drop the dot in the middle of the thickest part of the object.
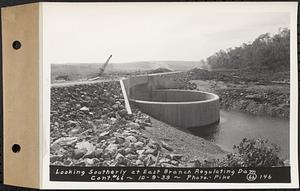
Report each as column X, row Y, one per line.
column 89, row 32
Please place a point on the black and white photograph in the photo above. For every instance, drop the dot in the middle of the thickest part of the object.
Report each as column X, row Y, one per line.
column 169, row 85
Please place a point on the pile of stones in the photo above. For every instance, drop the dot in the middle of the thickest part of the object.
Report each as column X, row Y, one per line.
column 90, row 126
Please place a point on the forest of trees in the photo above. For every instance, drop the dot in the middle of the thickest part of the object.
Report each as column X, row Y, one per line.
column 265, row 52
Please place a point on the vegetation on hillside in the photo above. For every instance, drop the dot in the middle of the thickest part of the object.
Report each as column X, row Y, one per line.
column 266, row 52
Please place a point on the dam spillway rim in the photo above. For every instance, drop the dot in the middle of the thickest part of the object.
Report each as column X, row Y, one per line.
column 214, row 98
column 197, row 111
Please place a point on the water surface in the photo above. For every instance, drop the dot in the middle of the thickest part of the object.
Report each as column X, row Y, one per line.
column 234, row 126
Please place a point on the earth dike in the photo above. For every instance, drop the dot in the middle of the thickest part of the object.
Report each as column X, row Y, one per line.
column 90, row 126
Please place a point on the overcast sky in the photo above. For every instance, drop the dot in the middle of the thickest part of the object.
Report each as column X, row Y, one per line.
column 85, row 33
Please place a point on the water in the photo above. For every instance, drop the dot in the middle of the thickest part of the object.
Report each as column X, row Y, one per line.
column 234, row 126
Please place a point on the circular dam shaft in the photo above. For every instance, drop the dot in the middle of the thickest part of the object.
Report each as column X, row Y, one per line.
column 159, row 96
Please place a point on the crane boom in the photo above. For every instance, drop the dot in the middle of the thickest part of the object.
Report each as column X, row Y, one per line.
column 104, row 66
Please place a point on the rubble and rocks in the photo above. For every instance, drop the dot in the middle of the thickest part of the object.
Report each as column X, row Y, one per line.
column 257, row 102
column 241, row 76
column 250, row 91
column 91, row 127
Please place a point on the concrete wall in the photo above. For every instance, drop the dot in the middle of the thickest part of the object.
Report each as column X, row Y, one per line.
column 157, row 96
column 182, row 113
column 171, row 95
column 136, row 86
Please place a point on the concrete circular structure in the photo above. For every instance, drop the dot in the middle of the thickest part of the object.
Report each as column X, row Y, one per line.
column 161, row 96
column 181, row 108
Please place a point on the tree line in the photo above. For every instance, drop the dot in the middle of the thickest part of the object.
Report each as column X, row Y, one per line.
column 265, row 52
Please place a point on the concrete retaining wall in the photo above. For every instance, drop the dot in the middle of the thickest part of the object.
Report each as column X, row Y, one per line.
column 157, row 96
column 169, row 95
column 137, row 86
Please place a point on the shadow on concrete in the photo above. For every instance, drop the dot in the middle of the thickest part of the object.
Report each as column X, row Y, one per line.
column 207, row 132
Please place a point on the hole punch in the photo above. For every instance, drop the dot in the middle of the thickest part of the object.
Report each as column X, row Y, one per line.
column 16, row 148
column 16, row 44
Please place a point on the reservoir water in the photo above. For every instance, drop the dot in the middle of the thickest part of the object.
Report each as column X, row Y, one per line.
column 234, row 126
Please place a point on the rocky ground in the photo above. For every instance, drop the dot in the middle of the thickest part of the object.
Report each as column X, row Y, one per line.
column 90, row 127
column 257, row 94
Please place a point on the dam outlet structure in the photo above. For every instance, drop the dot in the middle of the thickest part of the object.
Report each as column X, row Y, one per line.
column 162, row 97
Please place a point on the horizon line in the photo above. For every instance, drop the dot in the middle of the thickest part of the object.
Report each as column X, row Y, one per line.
column 128, row 62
